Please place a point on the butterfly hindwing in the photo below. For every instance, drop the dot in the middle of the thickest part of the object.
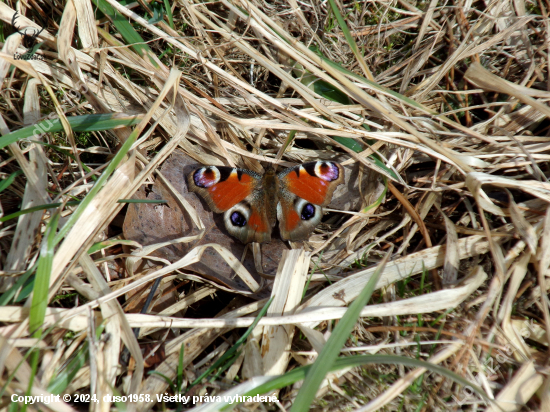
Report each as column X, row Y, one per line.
column 297, row 217
column 248, row 223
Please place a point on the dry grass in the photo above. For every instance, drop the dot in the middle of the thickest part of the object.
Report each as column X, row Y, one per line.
column 439, row 114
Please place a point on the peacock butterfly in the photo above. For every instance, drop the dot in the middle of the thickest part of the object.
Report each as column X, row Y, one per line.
column 252, row 203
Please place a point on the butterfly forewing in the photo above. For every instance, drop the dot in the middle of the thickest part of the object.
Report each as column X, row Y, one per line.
column 222, row 187
column 314, row 181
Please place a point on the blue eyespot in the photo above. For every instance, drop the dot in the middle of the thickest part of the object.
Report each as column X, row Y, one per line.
column 308, row 211
column 238, row 219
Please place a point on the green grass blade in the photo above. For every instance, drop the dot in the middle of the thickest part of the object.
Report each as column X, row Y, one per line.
column 166, row 378
column 350, row 143
column 179, row 376
column 98, row 185
column 5, row 183
column 296, row 375
column 374, row 85
column 26, row 290
column 63, row 378
column 126, row 30
column 227, row 355
column 42, row 279
column 349, row 38
column 40, row 295
column 380, row 198
column 168, row 8
column 142, row 201
column 73, row 203
column 337, row 339
column 329, row 92
column 375, row 159
column 85, row 123
column 9, row 294
column 158, row 12
column 35, row 209
column 66, row 153
column 96, row 247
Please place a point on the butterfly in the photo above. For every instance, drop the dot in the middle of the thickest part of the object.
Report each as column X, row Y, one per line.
column 252, row 203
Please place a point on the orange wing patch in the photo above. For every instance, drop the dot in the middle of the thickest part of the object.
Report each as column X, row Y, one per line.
column 257, row 223
column 291, row 219
column 231, row 191
column 311, row 188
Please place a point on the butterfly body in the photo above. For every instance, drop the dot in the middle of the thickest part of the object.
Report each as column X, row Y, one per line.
column 252, row 203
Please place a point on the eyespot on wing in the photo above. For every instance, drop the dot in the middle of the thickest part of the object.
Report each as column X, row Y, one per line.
column 314, row 181
column 222, row 187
